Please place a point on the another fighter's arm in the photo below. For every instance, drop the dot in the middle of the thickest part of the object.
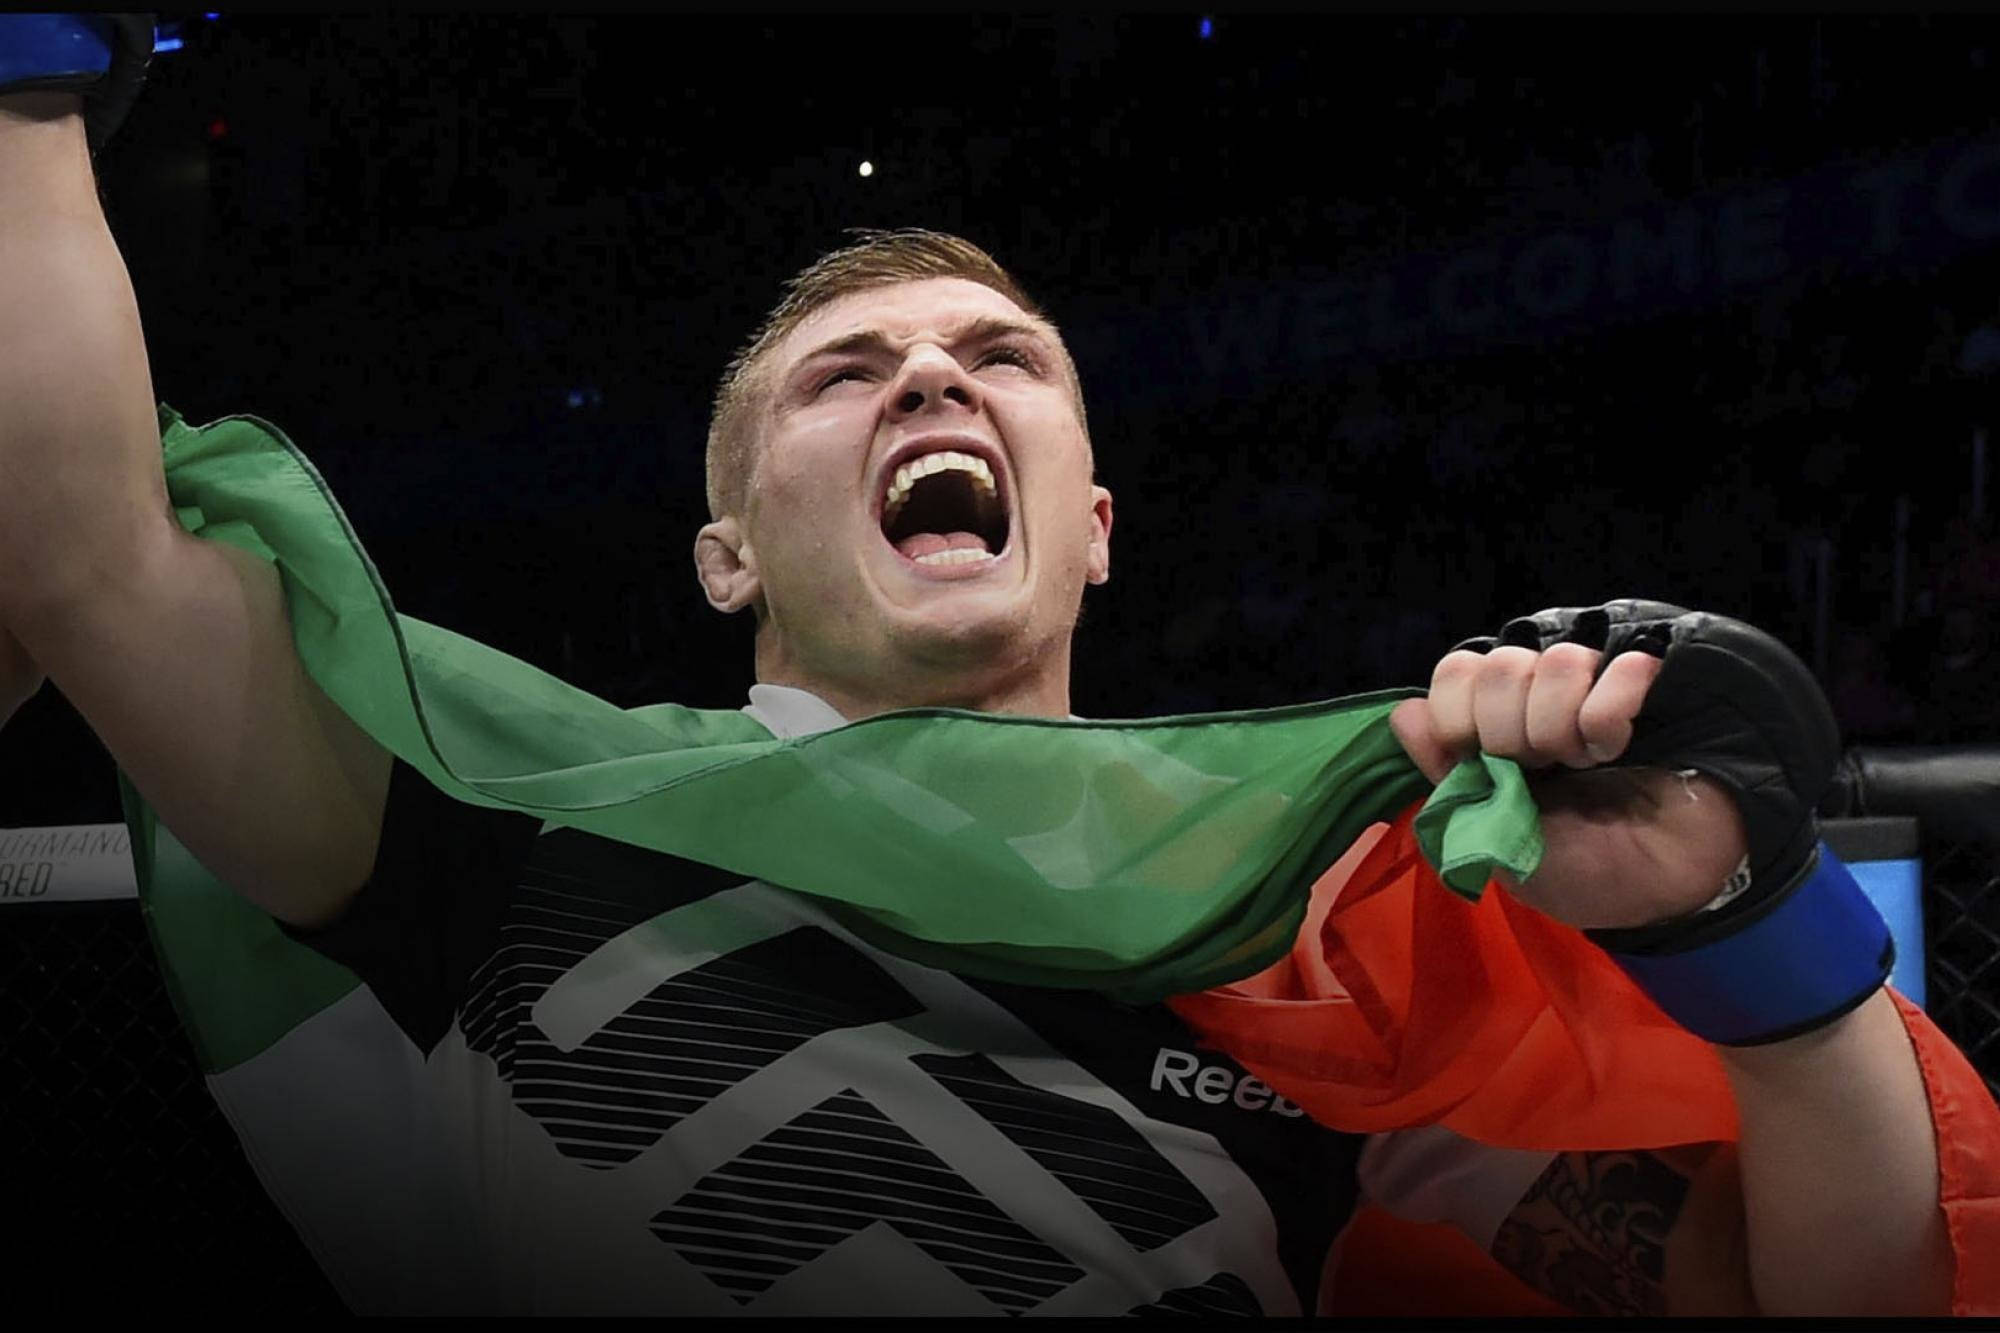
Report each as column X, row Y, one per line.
column 176, row 651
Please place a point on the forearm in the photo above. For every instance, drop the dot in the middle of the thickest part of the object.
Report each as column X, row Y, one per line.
column 1839, row 1171
column 176, row 651
column 81, row 489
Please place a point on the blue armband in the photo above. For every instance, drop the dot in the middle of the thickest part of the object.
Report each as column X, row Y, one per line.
column 1813, row 954
column 52, row 50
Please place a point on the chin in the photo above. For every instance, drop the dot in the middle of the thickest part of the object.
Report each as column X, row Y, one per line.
column 961, row 638
column 967, row 633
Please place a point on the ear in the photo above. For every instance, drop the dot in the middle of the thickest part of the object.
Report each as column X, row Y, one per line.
column 726, row 564
column 1098, row 565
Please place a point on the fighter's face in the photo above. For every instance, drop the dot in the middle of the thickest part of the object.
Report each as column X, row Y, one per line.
column 920, row 514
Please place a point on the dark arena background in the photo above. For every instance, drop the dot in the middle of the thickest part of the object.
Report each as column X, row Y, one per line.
column 1390, row 329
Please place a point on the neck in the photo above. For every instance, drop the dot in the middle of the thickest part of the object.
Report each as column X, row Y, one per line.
column 1039, row 690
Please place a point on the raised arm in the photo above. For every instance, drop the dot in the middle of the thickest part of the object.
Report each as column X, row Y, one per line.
column 176, row 651
column 1695, row 865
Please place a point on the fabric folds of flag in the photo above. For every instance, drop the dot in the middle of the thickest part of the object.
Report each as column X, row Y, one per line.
column 1140, row 858
column 1401, row 1005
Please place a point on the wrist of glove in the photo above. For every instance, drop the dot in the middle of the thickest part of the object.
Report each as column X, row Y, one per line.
column 1799, row 945
column 102, row 57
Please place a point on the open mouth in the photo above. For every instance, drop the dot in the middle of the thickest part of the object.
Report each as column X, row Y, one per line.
column 945, row 509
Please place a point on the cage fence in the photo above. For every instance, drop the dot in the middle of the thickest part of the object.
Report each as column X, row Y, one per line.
column 124, row 1166
column 1962, row 948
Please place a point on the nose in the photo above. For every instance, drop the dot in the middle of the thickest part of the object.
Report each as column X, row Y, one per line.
column 931, row 380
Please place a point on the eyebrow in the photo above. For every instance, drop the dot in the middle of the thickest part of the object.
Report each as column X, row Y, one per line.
column 985, row 329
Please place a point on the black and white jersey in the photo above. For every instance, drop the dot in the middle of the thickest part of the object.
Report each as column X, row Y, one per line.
column 632, row 1083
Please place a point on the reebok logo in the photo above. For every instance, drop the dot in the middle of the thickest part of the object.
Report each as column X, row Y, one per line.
column 1184, row 1075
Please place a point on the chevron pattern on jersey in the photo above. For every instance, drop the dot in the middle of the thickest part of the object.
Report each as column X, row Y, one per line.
column 1224, row 1295
column 691, row 1039
column 827, row 1174
column 1091, row 1149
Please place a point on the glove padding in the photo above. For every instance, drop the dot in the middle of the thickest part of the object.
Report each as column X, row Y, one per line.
column 1731, row 702
column 106, row 104
column 107, row 94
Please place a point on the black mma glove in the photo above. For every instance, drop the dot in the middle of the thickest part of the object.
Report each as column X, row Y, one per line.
column 101, row 56
column 1791, row 943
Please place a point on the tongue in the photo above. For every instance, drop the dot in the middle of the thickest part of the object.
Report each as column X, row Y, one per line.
column 930, row 543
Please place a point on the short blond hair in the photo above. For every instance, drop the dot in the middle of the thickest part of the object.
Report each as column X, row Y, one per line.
column 875, row 258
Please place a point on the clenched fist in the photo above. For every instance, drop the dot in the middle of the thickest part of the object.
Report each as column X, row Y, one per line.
column 1624, row 846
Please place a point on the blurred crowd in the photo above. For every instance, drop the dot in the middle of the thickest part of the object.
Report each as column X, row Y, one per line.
column 1936, row 678
column 491, row 299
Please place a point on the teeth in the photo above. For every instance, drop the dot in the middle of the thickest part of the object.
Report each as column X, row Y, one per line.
column 910, row 473
column 964, row 555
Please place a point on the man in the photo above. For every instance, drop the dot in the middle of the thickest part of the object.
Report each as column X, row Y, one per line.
column 735, row 1103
